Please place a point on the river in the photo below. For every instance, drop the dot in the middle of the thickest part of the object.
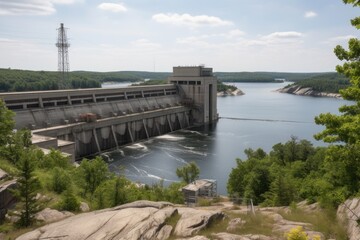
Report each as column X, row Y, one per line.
column 258, row 119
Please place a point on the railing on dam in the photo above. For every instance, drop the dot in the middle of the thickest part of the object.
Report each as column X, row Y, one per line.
column 45, row 99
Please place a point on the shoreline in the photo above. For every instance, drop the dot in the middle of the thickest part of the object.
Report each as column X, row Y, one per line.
column 301, row 91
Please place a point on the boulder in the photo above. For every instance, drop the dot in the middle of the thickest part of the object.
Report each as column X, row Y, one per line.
column 129, row 221
column 3, row 174
column 7, row 199
column 84, row 207
column 349, row 213
column 193, row 220
column 51, row 215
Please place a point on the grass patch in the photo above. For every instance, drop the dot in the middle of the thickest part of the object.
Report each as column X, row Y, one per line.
column 8, row 167
column 323, row 221
column 255, row 224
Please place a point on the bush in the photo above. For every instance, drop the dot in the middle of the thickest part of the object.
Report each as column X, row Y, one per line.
column 60, row 180
column 68, row 201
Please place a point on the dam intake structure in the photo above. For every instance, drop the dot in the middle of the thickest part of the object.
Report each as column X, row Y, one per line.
column 85, row 122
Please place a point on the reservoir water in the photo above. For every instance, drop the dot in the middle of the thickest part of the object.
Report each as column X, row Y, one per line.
column 259, row 119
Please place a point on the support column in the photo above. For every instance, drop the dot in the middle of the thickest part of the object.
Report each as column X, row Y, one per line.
column 96, row 140
column 157, row 127
column 146, row 131
column 179, row 120
column 114, row 136
column 41, row 104
column 168, row 120
column 187, row 118
column 130, row 133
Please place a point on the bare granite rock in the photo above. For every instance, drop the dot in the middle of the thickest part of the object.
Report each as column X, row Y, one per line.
column 51, row 215
column 84, row 207
column 3, row 174
column 349, row 214
column 122, row 222
column 228, row 236
column 194, row 238
column 193, row 220
column 297, row 90
column 7, row 199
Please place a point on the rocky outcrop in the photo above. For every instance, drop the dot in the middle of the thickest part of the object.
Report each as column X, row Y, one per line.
column 228, row 236
column 297, row 90
column 228, row 92
column 7, row 199
column 193, row 220
column 349, row 214
column 51, row 215
column 137, row 220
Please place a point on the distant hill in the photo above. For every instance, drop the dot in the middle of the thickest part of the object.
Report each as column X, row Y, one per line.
column 264, row 76
column 327, row 82
column 25, row 80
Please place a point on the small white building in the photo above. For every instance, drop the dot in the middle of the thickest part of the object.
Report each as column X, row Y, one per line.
column 199, row 188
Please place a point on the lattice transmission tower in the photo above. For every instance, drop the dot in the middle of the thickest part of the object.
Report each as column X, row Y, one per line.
column 63, row 53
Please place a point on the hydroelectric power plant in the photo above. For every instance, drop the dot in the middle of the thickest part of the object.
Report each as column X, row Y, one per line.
column 85, row 122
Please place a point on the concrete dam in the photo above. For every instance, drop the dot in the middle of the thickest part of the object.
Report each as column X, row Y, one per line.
column 86, row 122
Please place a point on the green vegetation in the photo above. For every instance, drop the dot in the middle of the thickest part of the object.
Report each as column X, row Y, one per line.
column 64, row 185
column 330, row 83
column 322, row 220
column 296, row 170
column 263, row 76
column 189, row 173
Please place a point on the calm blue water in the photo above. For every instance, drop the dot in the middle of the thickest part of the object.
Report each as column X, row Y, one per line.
column 268, row 117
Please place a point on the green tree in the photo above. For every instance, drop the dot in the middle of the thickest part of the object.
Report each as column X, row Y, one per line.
column 93, row 173
column 6, row 123
column 60, row 180
column 69, row 201
column 345, row 128
column 18, row 141
column 188, row 173
column 28, row 186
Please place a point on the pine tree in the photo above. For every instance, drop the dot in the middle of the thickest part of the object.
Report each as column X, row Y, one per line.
column 345, row 128
column 27, row 188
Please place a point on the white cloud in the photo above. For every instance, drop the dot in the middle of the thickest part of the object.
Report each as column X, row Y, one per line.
column 284, row 35
column 236, row 33
column 31, row 7
column 310, row 14
column 113, row 7
column 189, row 20
column 26, row 7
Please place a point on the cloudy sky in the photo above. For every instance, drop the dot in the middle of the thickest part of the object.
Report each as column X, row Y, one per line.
column 154, row 35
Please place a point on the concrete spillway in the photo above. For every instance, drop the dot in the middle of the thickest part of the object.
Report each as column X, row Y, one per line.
column 86, row 122
column 119, row 116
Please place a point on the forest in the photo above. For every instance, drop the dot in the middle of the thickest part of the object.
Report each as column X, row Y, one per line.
column 25, row 80
column 329, row 82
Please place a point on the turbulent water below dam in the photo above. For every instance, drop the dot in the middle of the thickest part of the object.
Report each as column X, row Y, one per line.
column 260, row 118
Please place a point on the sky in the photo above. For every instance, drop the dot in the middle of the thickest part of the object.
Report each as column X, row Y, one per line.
column 155, row 35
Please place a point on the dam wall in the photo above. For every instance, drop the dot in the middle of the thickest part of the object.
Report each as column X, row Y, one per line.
column 89, row 121
column 85, row 122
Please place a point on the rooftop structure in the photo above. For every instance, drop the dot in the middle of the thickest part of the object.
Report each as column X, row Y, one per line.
column 199, row 188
